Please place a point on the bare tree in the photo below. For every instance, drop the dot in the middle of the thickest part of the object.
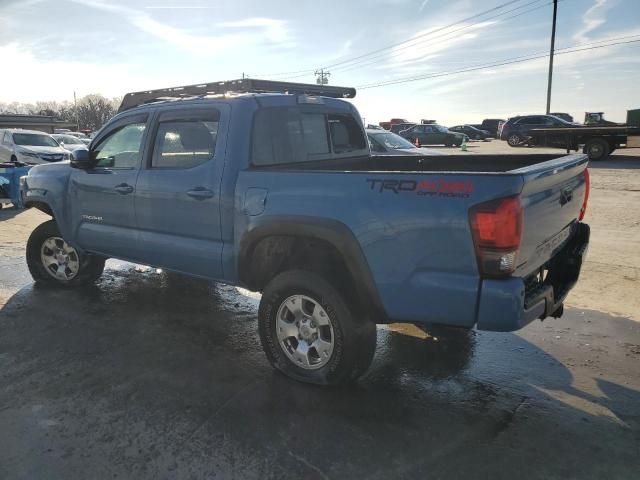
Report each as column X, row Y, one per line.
column 92, row 110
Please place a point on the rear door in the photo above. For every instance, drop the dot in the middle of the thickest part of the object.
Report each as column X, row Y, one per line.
column 177, row 198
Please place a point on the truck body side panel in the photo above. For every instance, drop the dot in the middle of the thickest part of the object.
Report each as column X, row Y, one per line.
column 415, row 237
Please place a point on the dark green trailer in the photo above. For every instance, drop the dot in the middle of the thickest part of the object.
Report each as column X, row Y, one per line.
column 633, row 117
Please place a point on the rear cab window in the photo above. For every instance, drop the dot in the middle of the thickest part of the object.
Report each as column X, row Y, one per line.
column 287, row 135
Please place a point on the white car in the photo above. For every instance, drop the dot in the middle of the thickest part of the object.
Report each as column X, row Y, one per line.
column 30, row 146
column 70, row 142
column 81, row 136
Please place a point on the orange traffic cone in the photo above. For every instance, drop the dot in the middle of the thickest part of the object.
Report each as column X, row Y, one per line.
column 417, row 142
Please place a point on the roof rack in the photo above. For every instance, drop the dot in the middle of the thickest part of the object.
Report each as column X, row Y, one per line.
column 244, row 85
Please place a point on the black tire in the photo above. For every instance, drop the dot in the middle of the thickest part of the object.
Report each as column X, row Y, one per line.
column 90, row 266
column 354, row 339
column 514, row 140
column 597, row 149
column 448, row 144
column 14, row 159
column 478, row 137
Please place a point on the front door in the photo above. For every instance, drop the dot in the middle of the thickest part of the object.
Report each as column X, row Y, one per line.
column 177, row 196
column 101, row 198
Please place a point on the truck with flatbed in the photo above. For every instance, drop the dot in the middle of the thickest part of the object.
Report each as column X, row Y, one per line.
column 598, row 140
column 271, row 186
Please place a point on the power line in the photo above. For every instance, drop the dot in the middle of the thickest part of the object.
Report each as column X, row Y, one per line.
column 373, row 60
column 498, row 7
column 426, row 34
column 511, row 61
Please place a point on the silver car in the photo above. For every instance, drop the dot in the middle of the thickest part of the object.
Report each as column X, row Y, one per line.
column 70, row 142
column 30, row 146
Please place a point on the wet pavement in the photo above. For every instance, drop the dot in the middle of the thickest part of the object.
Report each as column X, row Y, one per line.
column 153, row 376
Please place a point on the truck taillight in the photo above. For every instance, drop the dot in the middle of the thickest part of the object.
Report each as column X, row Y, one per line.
column 497, row 232
column 587, row 189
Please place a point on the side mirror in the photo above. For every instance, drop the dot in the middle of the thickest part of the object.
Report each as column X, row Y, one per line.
column 81, row 159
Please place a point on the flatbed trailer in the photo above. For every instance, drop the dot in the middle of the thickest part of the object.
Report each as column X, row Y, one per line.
column 598, row 141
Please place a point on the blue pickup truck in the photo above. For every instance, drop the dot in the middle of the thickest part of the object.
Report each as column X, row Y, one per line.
column 271, row 186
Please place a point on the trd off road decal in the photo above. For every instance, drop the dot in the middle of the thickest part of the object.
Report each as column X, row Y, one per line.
column 429, row 188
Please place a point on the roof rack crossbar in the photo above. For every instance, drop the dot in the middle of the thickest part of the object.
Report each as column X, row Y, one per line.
column 244, row 85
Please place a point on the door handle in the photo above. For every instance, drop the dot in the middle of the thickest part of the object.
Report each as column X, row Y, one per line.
column 200, row 193
column 123, row 189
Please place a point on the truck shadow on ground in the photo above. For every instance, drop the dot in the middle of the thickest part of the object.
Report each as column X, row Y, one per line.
column 147, row 375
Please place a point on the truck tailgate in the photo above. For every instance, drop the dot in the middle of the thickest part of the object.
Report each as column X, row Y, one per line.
column 552, row 198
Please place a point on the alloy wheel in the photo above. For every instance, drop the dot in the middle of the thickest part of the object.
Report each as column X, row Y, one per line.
column 60, row 259
column 305, row 332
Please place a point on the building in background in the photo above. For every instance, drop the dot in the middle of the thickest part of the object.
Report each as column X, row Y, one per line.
column 43, row 123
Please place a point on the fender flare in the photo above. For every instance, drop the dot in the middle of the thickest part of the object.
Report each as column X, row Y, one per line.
column 331, row 231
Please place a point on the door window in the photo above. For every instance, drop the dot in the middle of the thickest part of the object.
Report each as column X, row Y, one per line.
column 184, row 143
column 121, row 149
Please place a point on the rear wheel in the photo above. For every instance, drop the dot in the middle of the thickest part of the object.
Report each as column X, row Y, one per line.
column 308, row 332
column 52, row 261
column 514, row 140
column 478, row 137
column 597, row 149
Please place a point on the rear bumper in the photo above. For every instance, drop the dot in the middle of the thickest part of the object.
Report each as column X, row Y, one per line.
column 510, row 304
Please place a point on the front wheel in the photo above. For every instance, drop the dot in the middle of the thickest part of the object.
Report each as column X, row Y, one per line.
column 310, row 334
column 53, row 262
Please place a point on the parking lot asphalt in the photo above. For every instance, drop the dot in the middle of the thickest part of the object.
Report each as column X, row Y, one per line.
column 153, row 376
column 149, row 375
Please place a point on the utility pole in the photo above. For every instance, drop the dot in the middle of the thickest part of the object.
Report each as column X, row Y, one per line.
column 75, row 107
column 553, row 47
column 323, row 77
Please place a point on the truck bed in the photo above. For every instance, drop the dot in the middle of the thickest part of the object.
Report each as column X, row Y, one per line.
column 427, row 163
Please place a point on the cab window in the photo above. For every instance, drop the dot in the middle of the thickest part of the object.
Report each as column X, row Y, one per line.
column 184, row 143
column 122, row 148
column 284, row 135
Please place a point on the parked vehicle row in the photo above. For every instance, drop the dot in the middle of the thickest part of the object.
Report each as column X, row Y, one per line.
column 433, row 134
column 30, row 147
column 33, row 147
column 383, row 142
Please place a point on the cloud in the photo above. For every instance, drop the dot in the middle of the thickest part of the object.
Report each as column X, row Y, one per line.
column 593, row 18
column 422, row 47
column 274, row 30
column 254, row 31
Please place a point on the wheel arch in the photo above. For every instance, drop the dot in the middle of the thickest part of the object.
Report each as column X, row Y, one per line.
column 268, row 247
column 42, row 206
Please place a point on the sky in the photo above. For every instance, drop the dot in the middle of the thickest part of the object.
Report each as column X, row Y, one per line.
column 51, row 48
